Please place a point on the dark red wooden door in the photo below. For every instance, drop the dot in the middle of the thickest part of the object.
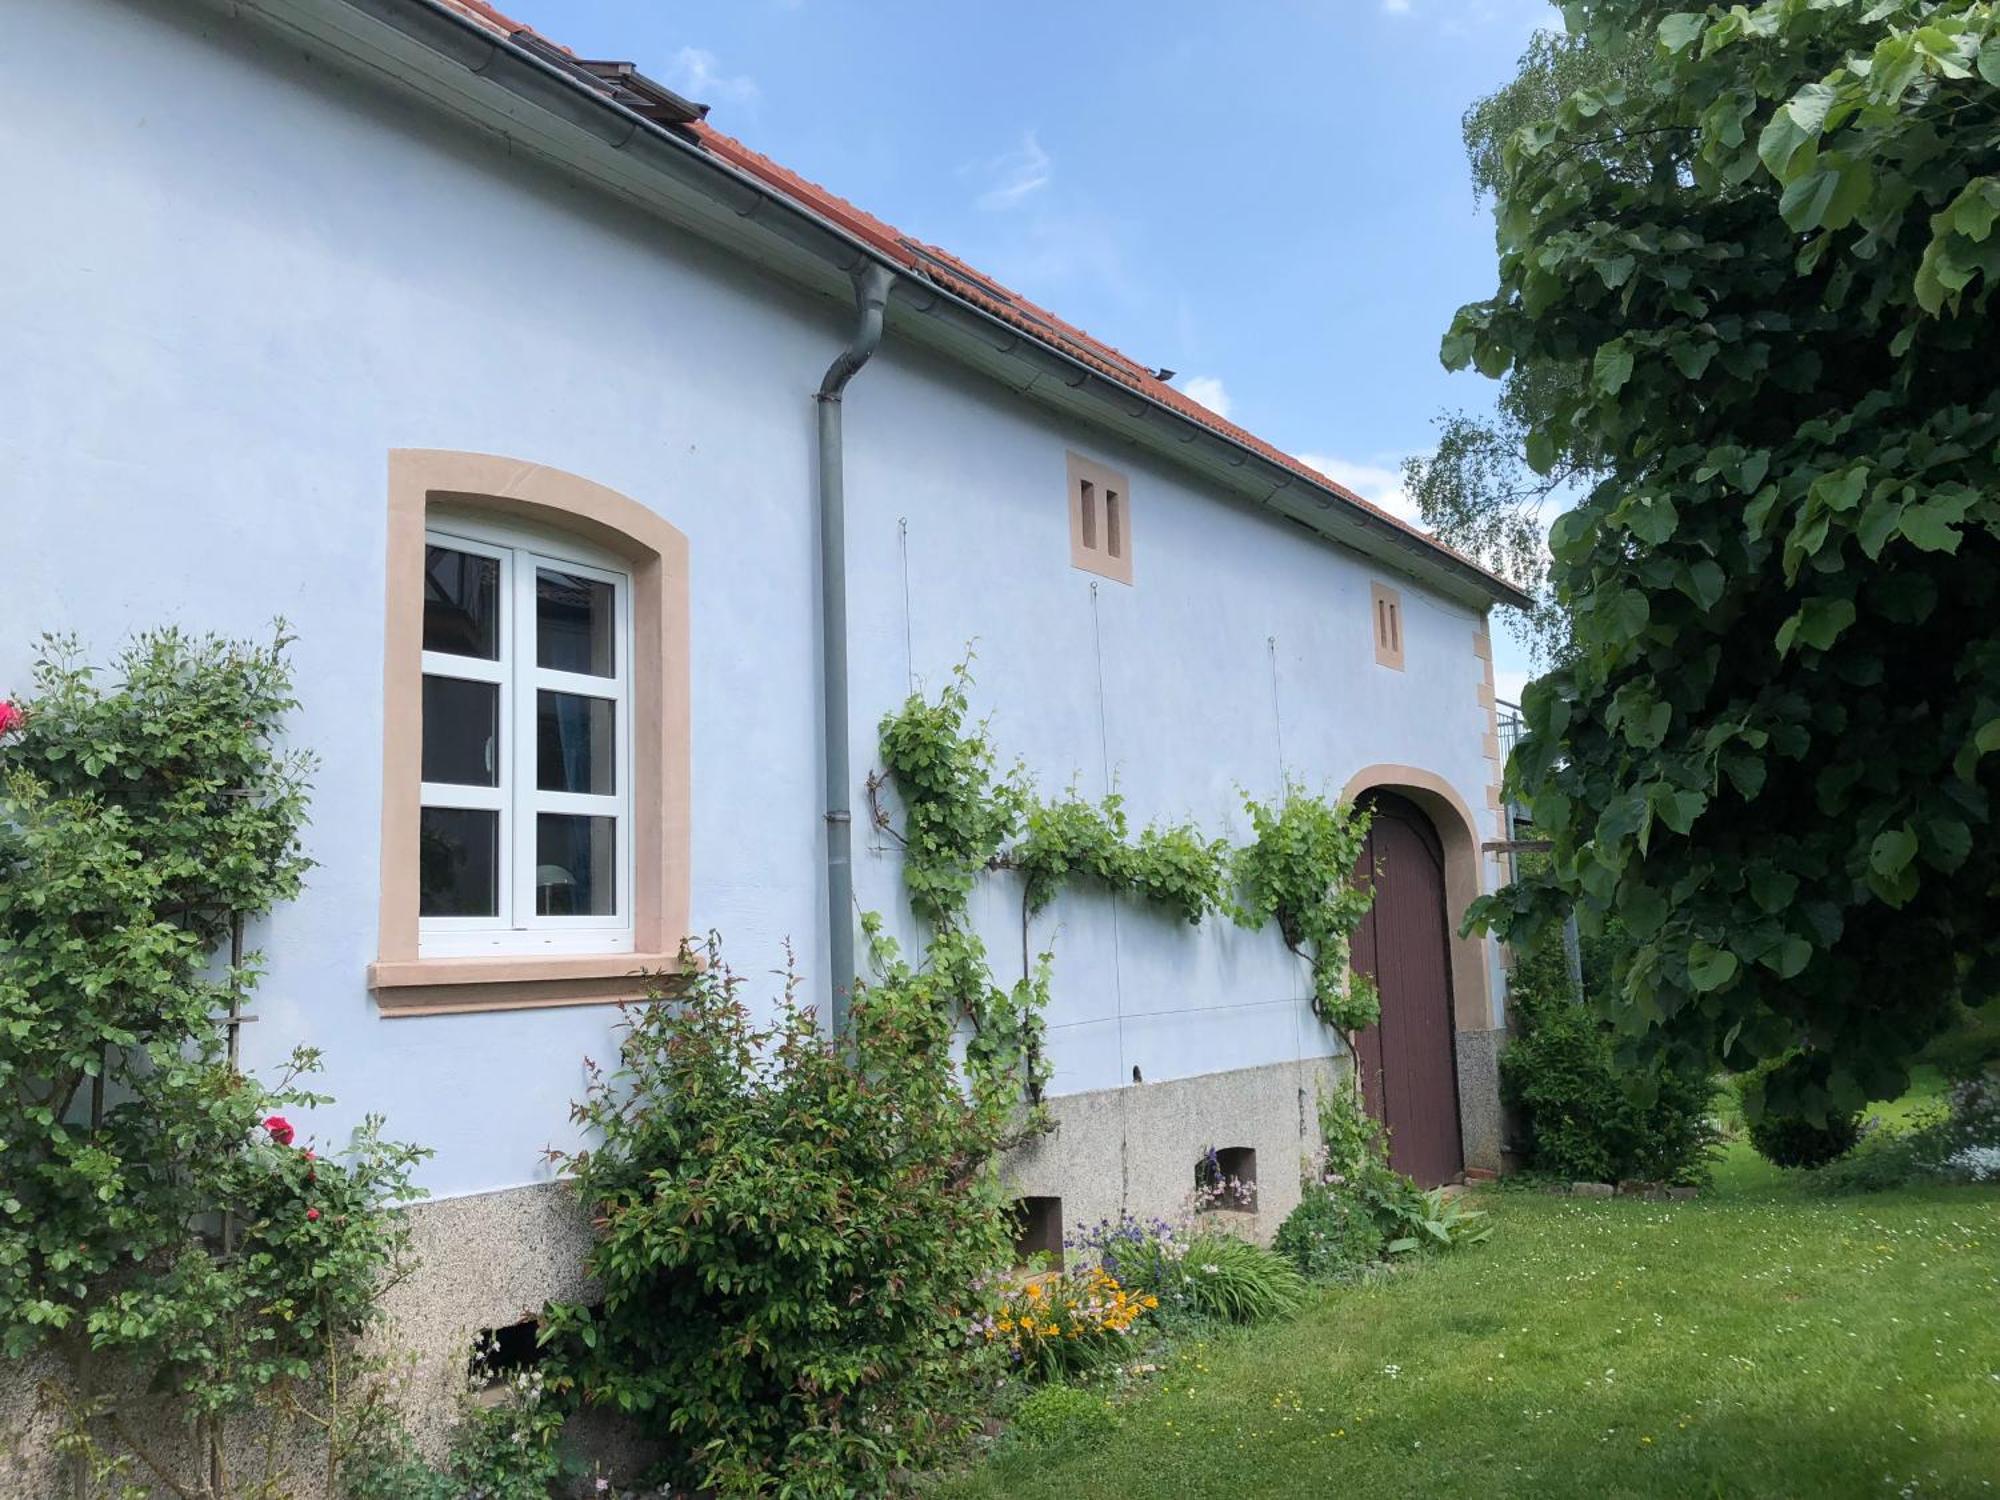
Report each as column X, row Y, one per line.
column 1409, row 1068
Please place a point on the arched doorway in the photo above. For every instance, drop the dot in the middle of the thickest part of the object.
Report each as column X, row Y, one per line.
column 1408, row 1060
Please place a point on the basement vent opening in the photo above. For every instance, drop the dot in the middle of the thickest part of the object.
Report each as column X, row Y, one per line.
column 499, row 1354
column 1038, row 1231
column 1225, row 1179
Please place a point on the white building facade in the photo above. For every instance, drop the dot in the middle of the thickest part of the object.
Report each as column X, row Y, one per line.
column 321, row 308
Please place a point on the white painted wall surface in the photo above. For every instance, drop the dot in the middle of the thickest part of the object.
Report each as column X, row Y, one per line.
column 1242, row 653
column 234, row 284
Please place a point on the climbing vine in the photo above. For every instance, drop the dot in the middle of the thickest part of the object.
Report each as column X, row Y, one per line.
column 1299, row 873
column 1172, row 866
column 961, row 818
column 163, row 1231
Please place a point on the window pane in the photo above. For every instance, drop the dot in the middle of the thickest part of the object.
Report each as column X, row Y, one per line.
column 576, row 739
column 461, row 603
column 573, row 621
column 461, row 731
column 575, row 866
column 458, row 863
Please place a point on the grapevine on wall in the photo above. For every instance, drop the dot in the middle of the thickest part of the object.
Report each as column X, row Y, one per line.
column 963, row 818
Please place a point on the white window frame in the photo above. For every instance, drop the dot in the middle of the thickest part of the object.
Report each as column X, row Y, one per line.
column 515, row 928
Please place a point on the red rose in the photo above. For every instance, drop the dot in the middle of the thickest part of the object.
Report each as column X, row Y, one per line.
column 281, row 1129
column 312, row 1213
column 11, row 717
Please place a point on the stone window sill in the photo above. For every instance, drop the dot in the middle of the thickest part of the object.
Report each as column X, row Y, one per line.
column 447, row 986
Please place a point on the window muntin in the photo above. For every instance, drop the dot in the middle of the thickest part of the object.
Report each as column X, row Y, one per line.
column 525, row 842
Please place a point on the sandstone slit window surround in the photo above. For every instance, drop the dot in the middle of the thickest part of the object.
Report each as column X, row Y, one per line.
column 1386, row 607
column 1100, row 520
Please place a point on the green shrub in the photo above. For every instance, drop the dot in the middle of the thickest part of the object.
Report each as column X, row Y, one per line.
column 1199, row 1274
column 1330, row 1235
column 1234, row 1281
column 1583, row 1116
column 1058, row 1415
column 162, row 1226
column 791, row 1235
column 501, row 1449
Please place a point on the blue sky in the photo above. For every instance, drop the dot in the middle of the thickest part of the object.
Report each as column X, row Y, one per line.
column 1268, row 196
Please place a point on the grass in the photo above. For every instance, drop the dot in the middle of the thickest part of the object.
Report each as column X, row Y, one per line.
column 1762, row 1341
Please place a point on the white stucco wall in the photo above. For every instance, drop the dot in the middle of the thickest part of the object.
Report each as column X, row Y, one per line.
column 235, row 283
column 1244, row 644
column 232, row 287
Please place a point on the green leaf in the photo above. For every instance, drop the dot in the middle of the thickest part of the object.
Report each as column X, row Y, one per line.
column 1796, row 123
column 1892, row 851
column 1541, row 450
column 1612, row 367
column 1706, row 582
column 1928, row 527
column 1692, row 358
column 1681, row 30
column 1817, row 624
column 1828, row 197
column 1709, row 967
column 1773, row 890
column 1989, row 59
column 1790, row 957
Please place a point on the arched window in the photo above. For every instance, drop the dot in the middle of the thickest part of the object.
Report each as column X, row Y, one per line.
column 535, row 792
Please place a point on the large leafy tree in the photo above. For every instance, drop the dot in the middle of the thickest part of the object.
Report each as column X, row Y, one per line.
column 1771, row 749
column 1475, row 489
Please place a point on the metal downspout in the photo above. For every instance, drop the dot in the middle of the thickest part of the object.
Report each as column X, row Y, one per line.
column 871, row 298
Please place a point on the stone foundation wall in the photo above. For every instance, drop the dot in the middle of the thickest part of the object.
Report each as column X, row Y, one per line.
column 1135, row 1150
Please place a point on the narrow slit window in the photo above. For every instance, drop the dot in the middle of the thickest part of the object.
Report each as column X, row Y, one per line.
column 1100, row 520
column 1386, row 608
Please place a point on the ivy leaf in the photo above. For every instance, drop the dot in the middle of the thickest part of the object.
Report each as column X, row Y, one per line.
column 1709, row 967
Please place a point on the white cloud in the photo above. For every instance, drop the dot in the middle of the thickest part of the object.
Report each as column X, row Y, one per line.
column 1209, row 391
column 1376, row 482
column 1013, row 175
column 1509, row 683
column 1396, row 7
column 697, row 73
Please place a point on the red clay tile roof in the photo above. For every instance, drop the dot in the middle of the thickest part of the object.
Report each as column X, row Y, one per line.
column 947, row 270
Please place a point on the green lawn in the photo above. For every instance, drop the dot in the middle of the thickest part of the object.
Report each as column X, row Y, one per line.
column 1763, row 1341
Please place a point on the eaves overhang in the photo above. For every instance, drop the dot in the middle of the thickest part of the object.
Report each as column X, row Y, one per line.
column 559, row 113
